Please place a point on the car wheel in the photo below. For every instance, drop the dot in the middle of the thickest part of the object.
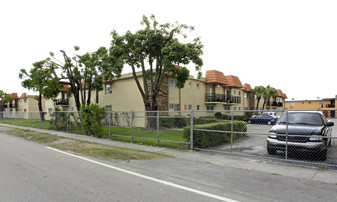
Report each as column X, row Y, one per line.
column 249, row 121
column 269, row 122
column 271, row 151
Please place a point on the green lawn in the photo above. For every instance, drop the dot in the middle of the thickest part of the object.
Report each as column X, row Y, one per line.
column 138, row 133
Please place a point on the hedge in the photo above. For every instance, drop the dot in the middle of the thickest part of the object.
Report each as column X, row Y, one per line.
column 205, row 139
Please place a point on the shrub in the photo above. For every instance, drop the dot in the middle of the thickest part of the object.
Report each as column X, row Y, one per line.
column 173, row 122
column 205, row 139
column 60, row 119
column 205, row 120
column 91, row 119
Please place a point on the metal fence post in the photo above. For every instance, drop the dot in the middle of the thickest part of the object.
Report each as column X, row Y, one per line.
column 286, row 149
column 132, row 120
column 109, row 117
column 67, row 120
column 232, row 125
column 191, row 131
column 157, row 128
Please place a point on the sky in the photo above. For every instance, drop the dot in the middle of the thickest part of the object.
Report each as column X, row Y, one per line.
column 290, row 45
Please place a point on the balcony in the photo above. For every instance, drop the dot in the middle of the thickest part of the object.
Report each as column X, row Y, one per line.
column 274, row 104
column 222, row 98
column 62, row 102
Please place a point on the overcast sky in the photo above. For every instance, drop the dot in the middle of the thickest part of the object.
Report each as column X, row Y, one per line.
column 289, row 45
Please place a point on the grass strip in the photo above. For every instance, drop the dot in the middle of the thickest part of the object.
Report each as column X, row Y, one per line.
column 91, row 149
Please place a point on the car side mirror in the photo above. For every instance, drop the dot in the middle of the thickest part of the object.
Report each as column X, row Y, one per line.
column 330, row 123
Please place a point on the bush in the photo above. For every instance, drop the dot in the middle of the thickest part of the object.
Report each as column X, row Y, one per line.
column 205, row 139
column 205, row 120
column 173, row 122
column 91, row 119
column 60, row 119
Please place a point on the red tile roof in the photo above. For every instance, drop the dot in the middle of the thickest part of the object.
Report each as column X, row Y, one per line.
column 65, row 88
column 14, row 96
column 214, row 76
column 24, row 95
column 233, row 81
column 247, row 88
column 281, row 94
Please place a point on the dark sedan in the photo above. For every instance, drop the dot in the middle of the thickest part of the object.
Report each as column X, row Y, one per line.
column 262, row 119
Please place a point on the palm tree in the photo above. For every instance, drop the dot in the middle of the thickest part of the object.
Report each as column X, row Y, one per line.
column 268, row 92
column 259, row 92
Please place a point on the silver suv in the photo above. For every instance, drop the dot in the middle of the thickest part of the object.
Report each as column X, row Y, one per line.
column 306, row 131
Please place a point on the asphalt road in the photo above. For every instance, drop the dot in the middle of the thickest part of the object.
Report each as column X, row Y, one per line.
column 32, row 172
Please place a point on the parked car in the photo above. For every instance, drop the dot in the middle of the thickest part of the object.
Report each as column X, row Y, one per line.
column 305, row 131
column 273, row 114
column 262, row 119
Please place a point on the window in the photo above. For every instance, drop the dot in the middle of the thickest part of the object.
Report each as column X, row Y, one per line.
column 25, row 110
column 173, row 107
column 246, row 95
column 198, row 85
column 309, row 103
column 50, row 110
column 198, row 107
column 189, row 107
column 108, row 88
column 210, row 109
column 173, row 83
column 25, row 100
column 190, row 84
column 108, row 108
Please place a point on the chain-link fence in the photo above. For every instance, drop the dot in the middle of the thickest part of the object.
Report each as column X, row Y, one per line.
column 295, row 136
column 305, row 137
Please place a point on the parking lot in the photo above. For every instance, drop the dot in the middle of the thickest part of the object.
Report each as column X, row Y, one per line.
column 255, row 143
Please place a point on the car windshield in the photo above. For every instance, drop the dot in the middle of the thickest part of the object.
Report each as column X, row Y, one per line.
column 301, row 118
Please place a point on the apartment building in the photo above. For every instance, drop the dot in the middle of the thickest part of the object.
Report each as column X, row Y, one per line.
column 215, row 91
column 25, row 106
column 328, row 105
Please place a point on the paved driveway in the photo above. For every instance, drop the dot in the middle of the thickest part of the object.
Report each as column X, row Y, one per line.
column 255, row 144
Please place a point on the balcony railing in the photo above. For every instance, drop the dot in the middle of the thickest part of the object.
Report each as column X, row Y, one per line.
column 13, row 105
column 215, row 97
column 274, row 104
column 62, row 102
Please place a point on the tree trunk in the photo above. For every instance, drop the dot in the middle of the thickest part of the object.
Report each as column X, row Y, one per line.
column 97, row 96
column 40, row 107
column 257, row 104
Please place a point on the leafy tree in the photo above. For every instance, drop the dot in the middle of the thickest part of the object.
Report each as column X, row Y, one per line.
column 83, row 73
column 259, row 92
column 158, row 46
column 4, row 98
column 268, row 92
column 40, row 79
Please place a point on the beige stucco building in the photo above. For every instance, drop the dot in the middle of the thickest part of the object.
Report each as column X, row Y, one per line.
column 214, row 92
